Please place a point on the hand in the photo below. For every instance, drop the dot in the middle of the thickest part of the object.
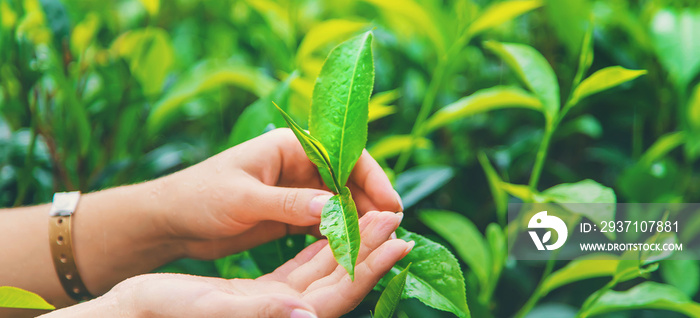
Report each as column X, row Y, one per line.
column 259, row 191
column 312, row 284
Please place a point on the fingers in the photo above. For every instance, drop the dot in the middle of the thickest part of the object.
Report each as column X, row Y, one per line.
column 339, row 298
column 374, row 232
column 369, row 176
column 221, row 304
column 304, row 256
column 295, row 206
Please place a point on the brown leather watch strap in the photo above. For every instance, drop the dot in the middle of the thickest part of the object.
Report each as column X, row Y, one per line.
column 60, row 240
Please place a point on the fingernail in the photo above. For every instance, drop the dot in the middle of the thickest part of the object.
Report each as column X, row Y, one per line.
column 400, row 214
column 393, row 235
column 317, row 203
column 410, row 246
column 398, row 199
column 300, row 313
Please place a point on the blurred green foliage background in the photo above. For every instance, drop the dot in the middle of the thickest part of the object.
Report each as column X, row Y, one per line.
column 95, row 94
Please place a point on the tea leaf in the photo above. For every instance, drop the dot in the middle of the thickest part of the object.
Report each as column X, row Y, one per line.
column 500, row 197
column 205, row 76
column 533, row 69
column 394, row 145
column 313, row 149
column 463, row 235
column 501, row 12
column 324, row 33
column 676, row 43
column 579, row 269
column 684, row 274
column 604, row 79
column 340, row 225
column 418, row 182
column 259, row 115
column 434, row 277
column 586, row 191
column 13, row 297
column 339, row 109
column 647, row 295
column 482, row 101
column 389, row 299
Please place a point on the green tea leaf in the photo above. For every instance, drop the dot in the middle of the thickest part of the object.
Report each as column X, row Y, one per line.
column 500, row 197
column 394, row 145
column 339, row 224
column 604, row 79
column 324, row 33
column 684, row 274
column 499, row 250
column 501, row 12
column 482, row 101
column 203, row 77
column 13, row 297
column 434, row 277
column 676, row 43
column 417, row 17
column 585, row 59
column 533, row 69
column 386, row 305
column 339, row 108
column 579, row 269
column 586, row 191
column 661, row 147
column 418, row 182
column 150, row 55
column 569, row 20
column 314, row 150
column 240, row 265
column 259, row 115
column 463, row 235
column 647, row 295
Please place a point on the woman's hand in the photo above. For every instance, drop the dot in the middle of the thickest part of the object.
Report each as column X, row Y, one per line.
column 256, row 192
column 312, row 284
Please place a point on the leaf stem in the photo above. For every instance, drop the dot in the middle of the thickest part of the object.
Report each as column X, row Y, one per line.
column 541, row 156
column 537, row 294
column 438, row 76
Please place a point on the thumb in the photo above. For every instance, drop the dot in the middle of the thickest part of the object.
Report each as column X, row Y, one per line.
column 295, row 206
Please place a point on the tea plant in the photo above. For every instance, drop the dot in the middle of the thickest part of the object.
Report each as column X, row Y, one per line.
column 338, row 117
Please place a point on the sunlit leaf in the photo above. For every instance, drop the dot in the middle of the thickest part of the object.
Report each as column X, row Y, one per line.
column 339, row 109
column 386, row 305
column 13, row 297
column 152, row 6
column 331, row 31
column 589, row 266
column 482, row 101
column 339, row 223
column 434, row 277
column 661, row 147
column 394, row 145
column 501, row 12
column 379, row 104
column 602, row 80
column 533, row 69
column 675, row 40
column 585, row 58
column 416, row 15
column 150, row 55
column 647, row 295
column 463, row 235
column 201, row 78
